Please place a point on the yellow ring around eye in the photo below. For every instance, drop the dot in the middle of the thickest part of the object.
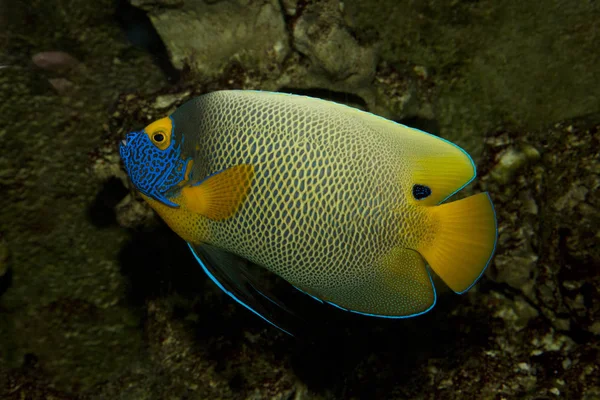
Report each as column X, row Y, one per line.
column 160, row 132
column 158, row 137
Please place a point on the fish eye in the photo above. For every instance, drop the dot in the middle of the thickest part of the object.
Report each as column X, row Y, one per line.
column 158, row 137
column 159, row 133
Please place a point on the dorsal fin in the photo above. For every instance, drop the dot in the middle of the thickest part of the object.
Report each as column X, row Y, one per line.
column 434, row 161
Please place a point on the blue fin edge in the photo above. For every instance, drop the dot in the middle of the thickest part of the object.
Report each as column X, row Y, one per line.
column 165, row 201
column 309, row 295
column 380, row 315
column 493, row 250
column 220, row 286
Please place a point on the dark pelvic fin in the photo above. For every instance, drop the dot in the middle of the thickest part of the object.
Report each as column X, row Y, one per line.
column 240, row 279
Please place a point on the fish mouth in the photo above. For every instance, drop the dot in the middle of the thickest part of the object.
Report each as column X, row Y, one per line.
column 131, row 136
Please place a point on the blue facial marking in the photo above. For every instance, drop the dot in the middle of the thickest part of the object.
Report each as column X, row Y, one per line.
column 152, row 171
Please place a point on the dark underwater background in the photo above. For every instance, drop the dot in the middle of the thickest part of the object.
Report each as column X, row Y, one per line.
column 100, row 300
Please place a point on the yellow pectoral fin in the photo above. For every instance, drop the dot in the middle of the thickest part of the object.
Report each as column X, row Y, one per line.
column 188, row 225
column 464, row 242
column 219, row 196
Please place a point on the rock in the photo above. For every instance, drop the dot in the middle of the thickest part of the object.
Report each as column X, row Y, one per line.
column 516, row 270
column 252, row 50
column 575, row 195
column 208, row 36
column 512, row 160
column 134, row 214
column 168, row 100
column 4, row 257
column 148, row 4
column 548, row 236
column 331, row 58
column 320, row 35
column 491, row 60
column 5, row 269
column 61, row 85
column 54, row 60
column 290, row 6
column 517, row 313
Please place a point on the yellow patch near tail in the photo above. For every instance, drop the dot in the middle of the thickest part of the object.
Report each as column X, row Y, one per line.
column 464, row 241
column 444, row 170
column 434, row 162
column 399, row 286
column 220, row 195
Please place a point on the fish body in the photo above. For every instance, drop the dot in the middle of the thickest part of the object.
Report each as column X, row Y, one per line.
column 342, row 204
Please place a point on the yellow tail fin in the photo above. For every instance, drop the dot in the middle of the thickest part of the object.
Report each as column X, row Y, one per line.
column 465, row 241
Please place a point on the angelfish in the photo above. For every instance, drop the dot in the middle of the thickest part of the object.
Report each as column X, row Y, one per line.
column 346, row 206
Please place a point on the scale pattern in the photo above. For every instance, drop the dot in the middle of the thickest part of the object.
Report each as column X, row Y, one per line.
column 328, row 201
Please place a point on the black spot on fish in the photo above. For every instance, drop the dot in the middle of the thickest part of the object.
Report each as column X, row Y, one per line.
column 421, row 192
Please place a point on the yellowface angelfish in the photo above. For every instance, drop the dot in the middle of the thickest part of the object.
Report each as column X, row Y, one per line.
column 344, row 205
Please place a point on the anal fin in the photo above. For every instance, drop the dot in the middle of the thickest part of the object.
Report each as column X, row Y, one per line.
column 400, row 286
